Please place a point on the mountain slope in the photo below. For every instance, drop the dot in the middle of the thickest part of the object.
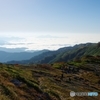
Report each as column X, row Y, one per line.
column 68, row 53
column 45, row 82
column 64, row 54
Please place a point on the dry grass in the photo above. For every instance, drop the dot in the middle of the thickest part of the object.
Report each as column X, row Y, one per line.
column 44, row 81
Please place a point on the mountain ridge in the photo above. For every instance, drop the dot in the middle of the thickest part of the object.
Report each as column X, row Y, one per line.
column 64, row 54
column 17, row 56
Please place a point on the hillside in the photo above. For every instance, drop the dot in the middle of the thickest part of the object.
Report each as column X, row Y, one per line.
column 50, row 81
column 76, row 51
column 63, row 54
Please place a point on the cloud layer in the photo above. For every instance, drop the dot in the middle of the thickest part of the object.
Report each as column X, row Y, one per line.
column 51, row 42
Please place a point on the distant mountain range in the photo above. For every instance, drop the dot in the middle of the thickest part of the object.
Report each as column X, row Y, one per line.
column 18, row 56
column 63, row 54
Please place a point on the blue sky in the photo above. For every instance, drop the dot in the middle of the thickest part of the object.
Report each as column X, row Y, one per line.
column 48, row 24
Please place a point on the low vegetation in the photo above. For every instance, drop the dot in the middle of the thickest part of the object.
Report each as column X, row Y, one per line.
column 50, row 81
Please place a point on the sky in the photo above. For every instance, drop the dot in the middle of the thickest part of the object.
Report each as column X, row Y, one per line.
column 48, row 24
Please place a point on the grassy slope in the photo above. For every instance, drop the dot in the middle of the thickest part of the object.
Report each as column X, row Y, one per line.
column 80, row 51
column 43, row 82
column 71, row 53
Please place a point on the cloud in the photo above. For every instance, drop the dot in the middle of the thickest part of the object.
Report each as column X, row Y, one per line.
column 44, row 41
column 2, row 42
column 22, row 49
column 50, row 36
column 10, row 40
column 38, row 42
column 18, row 44
column 60, row 45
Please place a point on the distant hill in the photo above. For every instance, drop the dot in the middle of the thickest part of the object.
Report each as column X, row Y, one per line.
column 64, row 54
column 18, row 56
